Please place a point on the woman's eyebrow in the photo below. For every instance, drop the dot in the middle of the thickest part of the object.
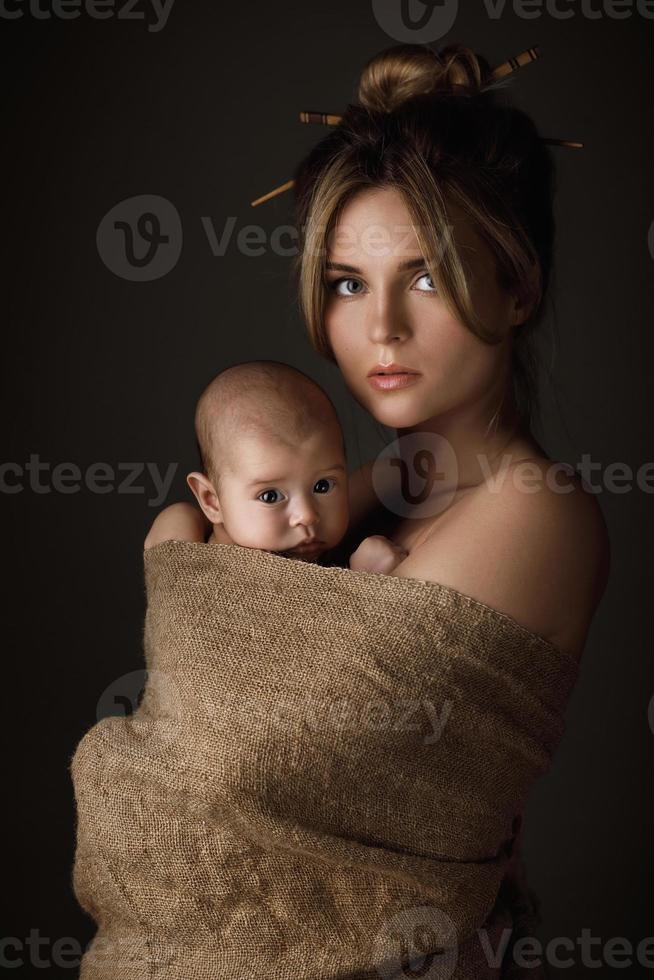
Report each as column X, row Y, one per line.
column 342, row 267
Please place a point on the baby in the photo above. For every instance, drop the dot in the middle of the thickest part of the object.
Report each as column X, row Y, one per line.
column 274, row 471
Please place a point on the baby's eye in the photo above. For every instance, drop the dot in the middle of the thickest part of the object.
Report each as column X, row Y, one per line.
column 431, row 287
column 337, row 283
column 267, row 493
column 322, row 482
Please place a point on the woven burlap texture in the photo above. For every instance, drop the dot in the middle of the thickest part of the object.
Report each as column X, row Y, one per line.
column 324, row 778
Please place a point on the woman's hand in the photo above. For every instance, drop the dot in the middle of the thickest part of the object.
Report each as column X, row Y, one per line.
column 178, row 522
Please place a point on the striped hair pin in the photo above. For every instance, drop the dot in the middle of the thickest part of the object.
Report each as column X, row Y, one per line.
column 502, row 71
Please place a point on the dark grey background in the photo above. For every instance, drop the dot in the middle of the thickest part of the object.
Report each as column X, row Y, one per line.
column 99, row 368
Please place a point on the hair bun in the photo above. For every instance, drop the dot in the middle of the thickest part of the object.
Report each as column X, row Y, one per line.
column 405, row 71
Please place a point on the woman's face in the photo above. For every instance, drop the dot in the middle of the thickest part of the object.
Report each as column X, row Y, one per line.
column 383, row 307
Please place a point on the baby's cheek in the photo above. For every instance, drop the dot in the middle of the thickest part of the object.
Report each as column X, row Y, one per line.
column 253, row 530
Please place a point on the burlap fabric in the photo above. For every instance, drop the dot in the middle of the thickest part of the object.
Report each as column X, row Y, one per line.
column 324, row 779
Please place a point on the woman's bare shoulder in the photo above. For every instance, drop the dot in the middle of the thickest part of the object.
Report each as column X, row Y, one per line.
column 533, row 545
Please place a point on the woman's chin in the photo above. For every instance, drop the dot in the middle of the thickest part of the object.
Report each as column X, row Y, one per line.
column 398, row 413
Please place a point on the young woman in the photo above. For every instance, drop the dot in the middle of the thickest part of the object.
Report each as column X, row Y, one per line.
column 251, row 818
column 427, row 246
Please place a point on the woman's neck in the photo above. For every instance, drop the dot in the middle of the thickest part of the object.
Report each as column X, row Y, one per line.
column 470, row 444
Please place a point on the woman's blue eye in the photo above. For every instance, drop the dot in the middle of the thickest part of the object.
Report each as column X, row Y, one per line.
column 264, row 493
column 339, row 282
column 431, row 288
column 335, row 286
column 322, row 481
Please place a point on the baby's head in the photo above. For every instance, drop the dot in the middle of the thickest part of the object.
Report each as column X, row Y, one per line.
column 273, row 457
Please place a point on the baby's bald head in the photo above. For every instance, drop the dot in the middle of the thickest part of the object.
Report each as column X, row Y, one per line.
column 258, row 397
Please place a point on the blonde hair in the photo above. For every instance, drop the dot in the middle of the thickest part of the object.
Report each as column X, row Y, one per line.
column 432, row 126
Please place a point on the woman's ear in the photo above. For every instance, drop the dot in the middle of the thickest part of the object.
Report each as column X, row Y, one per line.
column 206, row 496
column 525, row 297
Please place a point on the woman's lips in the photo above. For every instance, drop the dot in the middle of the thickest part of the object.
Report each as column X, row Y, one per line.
column 384, row 382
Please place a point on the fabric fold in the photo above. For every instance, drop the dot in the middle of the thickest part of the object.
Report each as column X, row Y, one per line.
column 324, row 779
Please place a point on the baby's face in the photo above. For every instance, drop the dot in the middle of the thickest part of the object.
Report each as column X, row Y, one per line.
column 278, row 498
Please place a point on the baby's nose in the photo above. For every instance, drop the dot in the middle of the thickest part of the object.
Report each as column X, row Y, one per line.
column 304, row 513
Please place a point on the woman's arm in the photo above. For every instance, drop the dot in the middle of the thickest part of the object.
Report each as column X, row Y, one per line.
column 178, row 522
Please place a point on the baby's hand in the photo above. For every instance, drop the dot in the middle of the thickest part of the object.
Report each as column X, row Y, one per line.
column 377, row 554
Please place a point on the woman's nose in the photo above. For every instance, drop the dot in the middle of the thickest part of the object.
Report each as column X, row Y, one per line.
column 386, row 318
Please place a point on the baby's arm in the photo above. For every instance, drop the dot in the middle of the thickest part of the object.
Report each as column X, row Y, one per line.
column 377, row 554
column 178, row 522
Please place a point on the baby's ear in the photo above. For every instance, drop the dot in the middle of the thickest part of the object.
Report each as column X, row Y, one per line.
column 205, row 495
